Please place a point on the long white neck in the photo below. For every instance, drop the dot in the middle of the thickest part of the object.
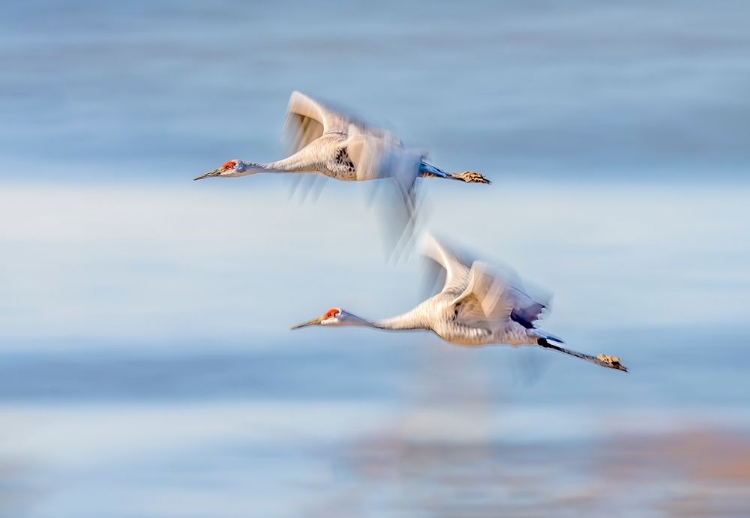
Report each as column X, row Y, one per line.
column 300, row 162
column 410, row 320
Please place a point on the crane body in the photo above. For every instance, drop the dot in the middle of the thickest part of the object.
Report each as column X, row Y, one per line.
column 475, row 308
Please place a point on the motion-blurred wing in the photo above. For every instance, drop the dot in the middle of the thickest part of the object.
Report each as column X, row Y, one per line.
column 305, row 187
column 468, row 312
column 307, row 119
column 526, row 310
column 381, row 155
column 456, row 271
column 494, row 301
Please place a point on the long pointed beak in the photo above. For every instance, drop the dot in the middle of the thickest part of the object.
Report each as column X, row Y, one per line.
column 313, row 322
column 215, row 172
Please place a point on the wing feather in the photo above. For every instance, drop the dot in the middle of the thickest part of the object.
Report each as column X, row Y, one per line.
column 375, row 153
column 492, row 294
column 456, row 270
column 308, row 119
column 526, row 311
column 490, row 300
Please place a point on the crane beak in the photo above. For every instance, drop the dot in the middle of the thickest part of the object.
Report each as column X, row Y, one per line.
column 215, row 172
column 313, row 322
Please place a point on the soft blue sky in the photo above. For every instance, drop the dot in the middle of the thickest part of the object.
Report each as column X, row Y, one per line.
column 616, row 139
column 232, row 261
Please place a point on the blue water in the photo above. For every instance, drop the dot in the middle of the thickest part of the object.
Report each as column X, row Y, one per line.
column 666, row 373
column 146, row 363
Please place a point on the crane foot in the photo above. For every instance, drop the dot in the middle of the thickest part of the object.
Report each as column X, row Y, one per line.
column 471, row 177
column 613, row 362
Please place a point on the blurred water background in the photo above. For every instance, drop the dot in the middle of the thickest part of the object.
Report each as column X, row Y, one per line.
column 146, row 366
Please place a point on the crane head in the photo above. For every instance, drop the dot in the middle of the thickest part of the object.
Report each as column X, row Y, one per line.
column 332, row 317
column 229, row 169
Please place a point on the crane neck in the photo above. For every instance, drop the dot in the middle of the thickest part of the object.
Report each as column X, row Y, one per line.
column 409, row 320
column 299, row 162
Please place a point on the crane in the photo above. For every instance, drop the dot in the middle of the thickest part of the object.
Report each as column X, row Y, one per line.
column 475, row 307
column 330, row 142
column 335, row 144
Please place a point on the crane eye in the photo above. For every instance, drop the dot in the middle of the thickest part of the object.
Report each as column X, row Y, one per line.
column 332, row 313
column 229, row 165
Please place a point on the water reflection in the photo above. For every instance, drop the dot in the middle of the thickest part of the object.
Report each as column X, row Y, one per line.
column 690, row 473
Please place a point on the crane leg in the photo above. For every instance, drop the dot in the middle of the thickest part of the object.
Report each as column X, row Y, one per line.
column 427, row 170
column 611, row 362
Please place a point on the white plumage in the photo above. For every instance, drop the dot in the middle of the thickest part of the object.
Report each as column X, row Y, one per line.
column 475, row 307
column 333, row 143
